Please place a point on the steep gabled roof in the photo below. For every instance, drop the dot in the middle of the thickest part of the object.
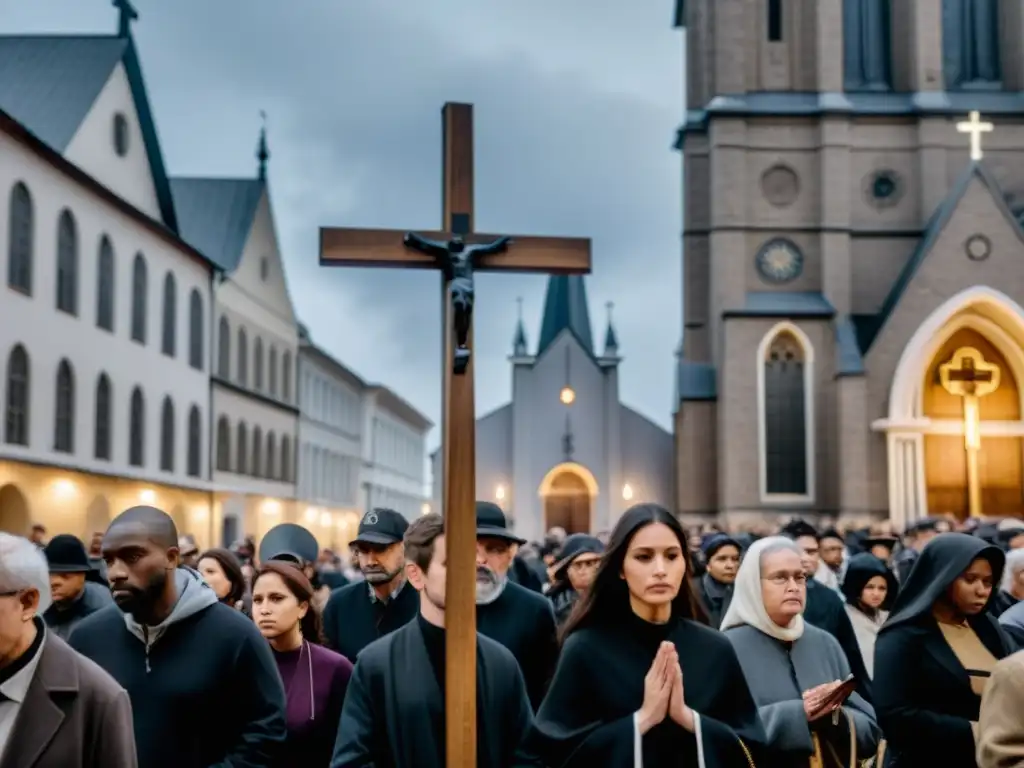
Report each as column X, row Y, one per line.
column 48, row 83
column 565, row 308
column 215, row 215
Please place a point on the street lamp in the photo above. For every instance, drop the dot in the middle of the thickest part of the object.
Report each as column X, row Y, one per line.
column 499, row 492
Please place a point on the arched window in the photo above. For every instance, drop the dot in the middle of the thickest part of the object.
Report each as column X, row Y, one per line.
column 785, row 395
column 970, row 43
column 140, row 303
column 67, row 263
column 17, row 398
column 223, row 444
column 195, row 437
column 241, row 449
column 195, row 330
column 103, row 413
column 167, row 435
column 137, row 430
column 286, row 377
column 169, row 342
column 20, row 237
column 257, row 452
column 867, row 53
column 286, row 458
column 257, row 364
column 224, row 349
column 272, row 371
column 64, row 423
column 271, row 465
column 105, row 285
column 243, row 358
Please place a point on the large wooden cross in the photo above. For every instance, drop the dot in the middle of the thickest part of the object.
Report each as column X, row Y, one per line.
column 457, row 251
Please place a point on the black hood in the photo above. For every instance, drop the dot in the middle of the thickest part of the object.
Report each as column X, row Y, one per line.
column 859, row 571
column 942, row 560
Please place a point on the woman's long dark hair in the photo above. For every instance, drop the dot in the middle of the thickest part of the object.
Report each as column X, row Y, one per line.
column 295, row 581
column 232, row 568
column 607, row 600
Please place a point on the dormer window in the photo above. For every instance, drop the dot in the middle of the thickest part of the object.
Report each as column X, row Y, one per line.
column 120, row 134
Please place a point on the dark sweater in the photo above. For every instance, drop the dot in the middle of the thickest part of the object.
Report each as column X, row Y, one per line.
column 207, row 694
column 352, row 620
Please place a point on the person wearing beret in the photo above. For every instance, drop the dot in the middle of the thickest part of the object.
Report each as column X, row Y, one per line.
column 573, row 573
column 74, row 597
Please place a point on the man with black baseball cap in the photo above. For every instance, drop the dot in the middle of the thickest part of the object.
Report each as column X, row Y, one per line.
column 74, row 597
column 358, row 613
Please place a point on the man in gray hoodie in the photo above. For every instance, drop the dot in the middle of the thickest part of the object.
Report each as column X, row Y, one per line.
column 204, row 687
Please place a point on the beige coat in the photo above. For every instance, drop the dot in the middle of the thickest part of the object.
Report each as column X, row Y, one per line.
column 74, row 716
column 1000, row 727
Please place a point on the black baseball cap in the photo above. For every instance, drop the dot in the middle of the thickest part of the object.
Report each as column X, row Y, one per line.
column 490, row 521
column 66, row 554
column 382, row 527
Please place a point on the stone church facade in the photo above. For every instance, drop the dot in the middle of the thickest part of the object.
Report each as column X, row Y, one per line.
column 841, row 248
column 565, row 451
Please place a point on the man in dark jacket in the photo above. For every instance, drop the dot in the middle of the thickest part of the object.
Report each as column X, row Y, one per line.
column 74, row 597
column 204, row 687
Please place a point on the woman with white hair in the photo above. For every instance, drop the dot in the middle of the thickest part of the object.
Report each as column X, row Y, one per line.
column 798, row 675
column 1011, row 590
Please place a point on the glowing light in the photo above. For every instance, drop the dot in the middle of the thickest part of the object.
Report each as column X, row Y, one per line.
column 627, row 492
column 567, row 395
column 64, row 489
column 271, row 507
column 147, row 496
column 200, row 513
column 425, row 509
column 311, row 515
column 499, row 492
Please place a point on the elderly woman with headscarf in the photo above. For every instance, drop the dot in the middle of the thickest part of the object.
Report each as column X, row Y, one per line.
column 573, row 573
column 796, row 672
column 935, row 654
column 870, row 589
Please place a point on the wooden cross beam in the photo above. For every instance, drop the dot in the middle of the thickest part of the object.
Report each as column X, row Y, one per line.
column 457, row 251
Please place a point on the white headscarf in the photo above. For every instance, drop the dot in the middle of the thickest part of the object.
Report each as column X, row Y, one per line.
column 747, row 606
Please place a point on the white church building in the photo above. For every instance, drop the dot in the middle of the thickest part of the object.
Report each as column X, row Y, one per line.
column 566, row 452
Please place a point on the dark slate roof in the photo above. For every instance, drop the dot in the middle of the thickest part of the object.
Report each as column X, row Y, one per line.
column 806, row 304
column 696, row 381
column 849, row 360
column 216, row 215
column 48, row 83
column 565, row 308
column 868, row 326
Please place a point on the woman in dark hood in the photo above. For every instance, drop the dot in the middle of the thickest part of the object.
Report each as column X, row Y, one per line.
column 934, row 655
column 870, row 589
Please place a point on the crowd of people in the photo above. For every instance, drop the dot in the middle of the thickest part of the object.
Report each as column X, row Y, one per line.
column 647, row 646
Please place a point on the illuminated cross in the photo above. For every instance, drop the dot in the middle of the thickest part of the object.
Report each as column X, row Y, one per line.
column 975, row 127
column 968, row 376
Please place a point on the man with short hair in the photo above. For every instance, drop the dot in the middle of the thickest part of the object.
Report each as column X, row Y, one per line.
column 74, row 597
column 57, row 708
column 358, row 613
column 204, row 686
column 394, row 711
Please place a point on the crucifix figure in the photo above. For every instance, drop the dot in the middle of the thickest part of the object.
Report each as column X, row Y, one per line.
column 974, row 127
column 458, row 252
column 968, row 376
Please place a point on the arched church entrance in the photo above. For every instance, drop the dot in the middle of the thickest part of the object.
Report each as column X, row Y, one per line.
column 569, row 492
column 14, row 515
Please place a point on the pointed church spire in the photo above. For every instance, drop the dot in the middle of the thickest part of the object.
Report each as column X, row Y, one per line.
column 262, row 153
column 565, row 308
column 127, row 14
column 611, row 341
column 519, row 342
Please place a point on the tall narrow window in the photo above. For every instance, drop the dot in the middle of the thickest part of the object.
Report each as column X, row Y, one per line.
column 257, row 365
column 102, row 431
column 257, row 452
column 286, row 377
column 224, row 349
column 140, row 299
column 195, row 437
column 167, row 436
column 195, row 330
column 67, row 263
column 867, row 53
column 970, row 43
column 20, row 236
column 16, row 401
column 775, row 21
column 241, row 449
column 105, row 285
column 286, row 458
column 223, row 444
column 137, row 430
column 243, row 358
column 271, row 464
column 169, row 341
column 64, row 423
column 272, row 371
column 786, row 433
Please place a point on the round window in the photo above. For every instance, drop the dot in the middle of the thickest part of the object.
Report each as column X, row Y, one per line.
column 120, row 135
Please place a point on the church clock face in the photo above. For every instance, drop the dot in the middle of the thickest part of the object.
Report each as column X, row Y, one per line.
column 779, row 261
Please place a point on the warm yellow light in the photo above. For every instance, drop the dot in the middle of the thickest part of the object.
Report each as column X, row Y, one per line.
column 567, row 395
column 200, row 513
column 64, row 489
column 271, row 507
column 972, row 423
column 627, row 492
column 499, row 492
column 425, row 509
column 147, row 496
column 311, row 515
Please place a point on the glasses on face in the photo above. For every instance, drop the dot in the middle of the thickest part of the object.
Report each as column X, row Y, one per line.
column 584, row 565
column 782, row 578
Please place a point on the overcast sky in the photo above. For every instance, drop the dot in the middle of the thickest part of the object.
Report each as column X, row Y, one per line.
column 576, row 104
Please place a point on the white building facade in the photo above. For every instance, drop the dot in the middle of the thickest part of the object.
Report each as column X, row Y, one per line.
column 394, row 453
